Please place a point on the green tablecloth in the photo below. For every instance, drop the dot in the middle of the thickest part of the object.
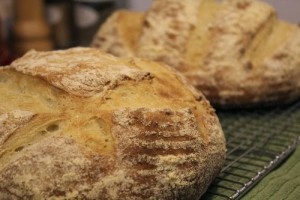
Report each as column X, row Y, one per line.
column 282, row 183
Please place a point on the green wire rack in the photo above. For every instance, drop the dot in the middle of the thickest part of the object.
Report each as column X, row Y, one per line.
column 257, row 141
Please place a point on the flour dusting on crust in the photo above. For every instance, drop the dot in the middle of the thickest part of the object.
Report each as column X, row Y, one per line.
column 159, row 146
column 11, row 121
column 135, row 142
column 85, row 75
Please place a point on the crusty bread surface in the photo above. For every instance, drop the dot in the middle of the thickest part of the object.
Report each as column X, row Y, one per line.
column 237, row 52
column 82, row 124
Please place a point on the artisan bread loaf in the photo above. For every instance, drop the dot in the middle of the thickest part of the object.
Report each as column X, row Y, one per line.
column 82, row 124
column 237, row 52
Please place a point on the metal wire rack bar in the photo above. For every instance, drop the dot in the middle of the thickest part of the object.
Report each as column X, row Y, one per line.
column 257, row 142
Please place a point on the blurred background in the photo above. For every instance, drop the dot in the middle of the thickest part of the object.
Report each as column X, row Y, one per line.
column 60, row 24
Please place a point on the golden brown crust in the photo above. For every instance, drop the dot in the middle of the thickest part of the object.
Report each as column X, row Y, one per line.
column 117, row 39
column 80, row 76
column 167, row 42
column 238, row 53
column 115, row 129
column 11, row 121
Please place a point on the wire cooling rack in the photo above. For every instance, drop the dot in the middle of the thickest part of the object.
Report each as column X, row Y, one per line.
column 257, row 141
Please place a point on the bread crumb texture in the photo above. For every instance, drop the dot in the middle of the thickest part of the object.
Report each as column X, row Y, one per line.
column 82, row 124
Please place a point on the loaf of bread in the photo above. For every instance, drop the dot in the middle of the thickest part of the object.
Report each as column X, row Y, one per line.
column 82, row 124
column 237, row 52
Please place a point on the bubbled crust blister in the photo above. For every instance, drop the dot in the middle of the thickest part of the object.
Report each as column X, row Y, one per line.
column 103, row 128
column 237, row 52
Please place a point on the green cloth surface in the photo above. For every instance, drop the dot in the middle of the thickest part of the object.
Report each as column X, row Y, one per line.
column 282, row 183
column 254, row 137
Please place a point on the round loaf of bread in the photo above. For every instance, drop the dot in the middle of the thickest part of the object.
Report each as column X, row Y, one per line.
column 237, row 52
column 82, row 124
